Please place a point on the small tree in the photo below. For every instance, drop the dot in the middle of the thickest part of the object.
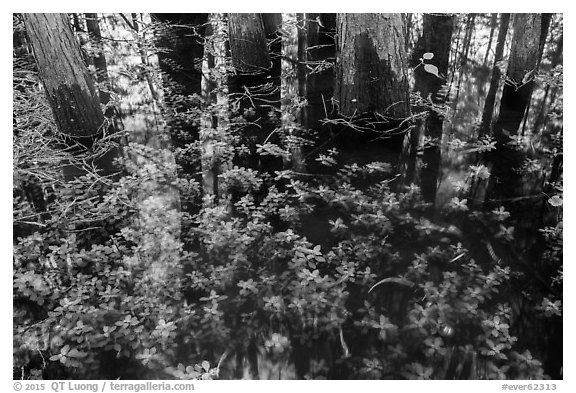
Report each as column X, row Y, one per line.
column 496, row 73
column 214, row 133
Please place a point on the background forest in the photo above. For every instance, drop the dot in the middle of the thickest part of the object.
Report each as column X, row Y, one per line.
column 287, row 196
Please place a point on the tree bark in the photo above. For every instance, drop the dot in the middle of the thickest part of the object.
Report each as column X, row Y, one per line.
column 522, row 66
column 248, row 44
column 67, row 81
column 545, row 24
column 272, row 22
column 436, row 39
column 555, row 60
column 290, row 89
column 467, row 39
column 496, row 74
column 464, row 58
column 408, row 25
column 214, row 132
column 493, row 25
column 93, row 27
column 371, row 68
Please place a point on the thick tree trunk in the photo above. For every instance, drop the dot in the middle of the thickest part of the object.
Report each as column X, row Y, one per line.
column 272, row 23
column 371, row 70
column 248, row 44
column 68, row 83
column 522, row 66
column 70, row 90
column 496, row 74
column 436, row 39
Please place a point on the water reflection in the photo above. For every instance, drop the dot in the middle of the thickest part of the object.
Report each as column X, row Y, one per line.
column 308, row 244
column 509, row 178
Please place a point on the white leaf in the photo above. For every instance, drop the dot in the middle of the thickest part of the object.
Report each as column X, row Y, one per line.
column 555, row 201
column 432, row 69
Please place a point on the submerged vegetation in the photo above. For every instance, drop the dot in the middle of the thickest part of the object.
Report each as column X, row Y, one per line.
column 248, row 229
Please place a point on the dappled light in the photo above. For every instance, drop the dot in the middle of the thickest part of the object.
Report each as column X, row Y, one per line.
column 288, row 196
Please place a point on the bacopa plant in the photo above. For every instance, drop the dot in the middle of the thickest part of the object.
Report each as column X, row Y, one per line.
column 341, row 275
column 248, row 276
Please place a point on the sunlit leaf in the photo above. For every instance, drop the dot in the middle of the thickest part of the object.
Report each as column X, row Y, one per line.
column 528, row 77
column 555, row 201
column 432, row 69
column 206, row 365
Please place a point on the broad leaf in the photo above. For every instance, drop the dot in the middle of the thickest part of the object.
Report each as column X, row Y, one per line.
column 432, row 69
column 555, row 201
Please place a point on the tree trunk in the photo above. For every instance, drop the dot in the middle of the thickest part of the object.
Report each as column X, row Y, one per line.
column 467, row 39
column 93, row 27
column 371, row 70
column 214, row 133
column 302, row 72
column 522, row 66
column 312, row 60
column 464, row 58
column 493, row 24
column 290, row 87
column 135, row 79
column 272, row 23
column 546, row 18
column 67, row 81
column 436, row 39
column 496, row 74
column 248, row 44
column 555, row 60
column 407, row 31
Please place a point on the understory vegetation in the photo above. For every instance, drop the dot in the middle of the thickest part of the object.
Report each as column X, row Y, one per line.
column 342, row 271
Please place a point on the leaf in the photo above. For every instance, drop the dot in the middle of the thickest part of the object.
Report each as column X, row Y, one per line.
column 65, row 349
column 555, row 201
column 206, row 365
column 427, row 56
column 396, row 280
column 431, row 69
column 528, row 77
column 74, row 353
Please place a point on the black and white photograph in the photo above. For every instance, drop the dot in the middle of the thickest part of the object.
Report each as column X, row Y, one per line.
column 287, row 196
